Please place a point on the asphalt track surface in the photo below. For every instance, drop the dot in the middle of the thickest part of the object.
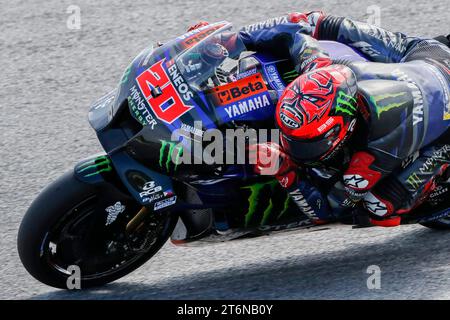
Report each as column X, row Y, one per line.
column 49, row 76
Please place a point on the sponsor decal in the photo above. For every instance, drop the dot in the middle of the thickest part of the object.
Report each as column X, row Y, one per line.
column 96, row 166
column 270, row 23
column 444, row 85
column 355, row 181
column 440, row 190
column 326, row 125
column 139, row 108
column 239, row 90
column 275, row 78
column 243, row 107
column 378, row 208
column 290, row 116
column 188, row 130
column 242, row 96
column 194, row 37
column 366, row 48
column 374, row 205
column 437, row 158
column 290, row 76
column 296, row 224
column 299, row 199
column 416, row 93
column 348, row 203
column 149, row 190
column 381, row 107
column 165, row 203
column 181, row 85
column 246, row 74
column 261, row 199
column 161, row 93
column 169, row 153
column 113, row 212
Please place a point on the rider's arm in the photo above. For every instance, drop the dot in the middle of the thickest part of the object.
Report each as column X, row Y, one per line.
column 377, row 43
column 281, row 36
column 291, row 36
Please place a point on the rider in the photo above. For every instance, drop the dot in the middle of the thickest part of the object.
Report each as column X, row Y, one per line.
column 392, row 112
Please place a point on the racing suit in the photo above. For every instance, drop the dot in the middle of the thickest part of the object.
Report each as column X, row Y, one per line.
column 404, row 110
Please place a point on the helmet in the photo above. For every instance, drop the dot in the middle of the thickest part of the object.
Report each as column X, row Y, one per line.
column 317, row 113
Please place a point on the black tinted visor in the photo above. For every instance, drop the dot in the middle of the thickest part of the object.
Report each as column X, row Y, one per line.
column 310, row 150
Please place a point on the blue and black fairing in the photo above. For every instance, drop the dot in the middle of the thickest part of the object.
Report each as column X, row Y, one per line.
column 138, row 141
column 129, row 131
column 114, row 124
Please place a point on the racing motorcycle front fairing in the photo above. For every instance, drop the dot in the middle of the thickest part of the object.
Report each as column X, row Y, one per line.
column 135, row 122
column 115, row 127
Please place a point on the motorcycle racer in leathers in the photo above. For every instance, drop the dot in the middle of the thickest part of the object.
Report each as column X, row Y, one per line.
column 392, row 113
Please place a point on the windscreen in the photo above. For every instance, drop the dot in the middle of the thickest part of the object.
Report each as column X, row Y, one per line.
column 213, row 61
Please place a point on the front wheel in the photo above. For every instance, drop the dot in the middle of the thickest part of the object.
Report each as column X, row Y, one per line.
column 72, row 223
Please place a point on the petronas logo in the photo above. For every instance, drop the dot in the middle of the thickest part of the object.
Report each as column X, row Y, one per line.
column 345, row 104
column 168, row 150
column 258, row 201
column 376, row 100
column 95, row 166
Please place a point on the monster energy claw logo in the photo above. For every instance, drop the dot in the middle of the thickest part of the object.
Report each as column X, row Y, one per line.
column 345, row 104
column 290, row 76
column 97, row 165
column 167, row 152
column 385, row 108
column 414, row 181
column 255, row 199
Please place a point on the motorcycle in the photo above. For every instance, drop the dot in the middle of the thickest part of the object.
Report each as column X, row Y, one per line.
column 114, row 211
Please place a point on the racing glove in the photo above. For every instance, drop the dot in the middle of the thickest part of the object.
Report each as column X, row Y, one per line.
column 269, row 159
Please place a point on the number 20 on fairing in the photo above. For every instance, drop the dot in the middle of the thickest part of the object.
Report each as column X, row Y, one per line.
column 167, row 105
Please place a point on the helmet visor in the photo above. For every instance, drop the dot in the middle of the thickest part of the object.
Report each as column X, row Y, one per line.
column 311, row 150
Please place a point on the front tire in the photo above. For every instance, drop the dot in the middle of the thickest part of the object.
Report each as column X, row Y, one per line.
column 67, row 225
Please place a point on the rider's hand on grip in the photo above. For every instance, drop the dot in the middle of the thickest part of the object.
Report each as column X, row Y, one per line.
column 269, row 159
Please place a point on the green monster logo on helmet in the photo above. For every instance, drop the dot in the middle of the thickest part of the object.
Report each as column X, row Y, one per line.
column 345, row 103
